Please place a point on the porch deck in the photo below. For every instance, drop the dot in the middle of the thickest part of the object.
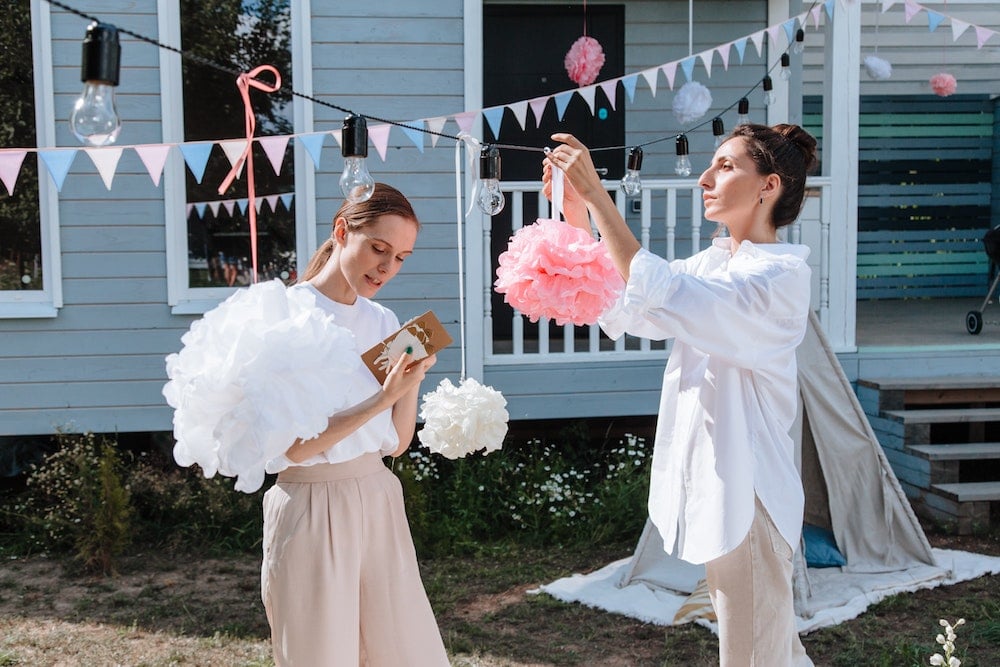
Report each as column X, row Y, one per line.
column 928, row 324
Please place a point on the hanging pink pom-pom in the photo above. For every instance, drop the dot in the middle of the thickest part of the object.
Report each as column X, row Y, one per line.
column 584, row 61
column 943, row 84
column 555, row 270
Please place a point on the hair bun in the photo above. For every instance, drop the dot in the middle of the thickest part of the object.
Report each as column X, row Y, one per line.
column 802, row 140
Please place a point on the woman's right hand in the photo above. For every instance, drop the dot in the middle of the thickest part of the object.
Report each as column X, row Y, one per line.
column 405, row 376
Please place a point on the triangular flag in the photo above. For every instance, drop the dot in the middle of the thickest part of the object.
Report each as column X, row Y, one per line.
column 379, row 135
column 562, row 101
column 741, row 47
column 772, row 32
column 196, row 157
column 828, row 6
column 628, row 83
column 233, row 149
column 815, row 13
column 106, row 161
column 274, row 149
column 958, row 28
column 465, row 120
column 242, row 204
column 228, row 204
column 199, row 209
column 911, row 9
column 435, row 125
column 286, row 199
column 650, row 76
column 610, row 89
column 538, row 108
column 670, row 71
column 983, row 34
column 934, row 20
column 272, row 201
column 214, row 207
column 338, row 136
column 415, row 131
column 886, row 4
column 723, row 52
column 789, row 27
column 313, row 144
column 154, row 156
column 188, row 209
column 687, row 65
column 706, row 60
column 494, row 116
column 588, row 93
column 758, row 40
column 10, row 167
column 257, row 203
column 520, row 111
column 58, row 163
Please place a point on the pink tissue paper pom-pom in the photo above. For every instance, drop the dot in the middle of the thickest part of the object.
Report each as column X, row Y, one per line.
column 584, row 60
column 943, row 84
column 555, row 270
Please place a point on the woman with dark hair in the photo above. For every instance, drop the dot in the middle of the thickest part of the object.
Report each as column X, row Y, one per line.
column 339, row 577
column 724, row 487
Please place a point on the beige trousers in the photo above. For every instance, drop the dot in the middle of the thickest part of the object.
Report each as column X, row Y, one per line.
column 751, row 591
column 339, row 579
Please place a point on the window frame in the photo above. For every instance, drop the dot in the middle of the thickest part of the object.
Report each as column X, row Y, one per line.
column 183, row 299
column 46, row 301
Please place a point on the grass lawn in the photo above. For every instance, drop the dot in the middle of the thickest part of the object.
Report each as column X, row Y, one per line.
column 184, row 609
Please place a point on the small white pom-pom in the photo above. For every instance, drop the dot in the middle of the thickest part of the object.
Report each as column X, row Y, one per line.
column 877, row 68
column 691, row 102
column 461, row 420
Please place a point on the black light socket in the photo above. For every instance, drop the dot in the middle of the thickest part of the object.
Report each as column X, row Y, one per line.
column 489, row 163
column 786, row 60
column 744, row 106
column 102, row 54
column 767, row 83
column 635, row 158
column 718, row 128
column 682, row 144
column 354, row 137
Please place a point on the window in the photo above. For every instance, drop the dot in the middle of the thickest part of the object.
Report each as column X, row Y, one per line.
column 209, row 241
column 29, row 253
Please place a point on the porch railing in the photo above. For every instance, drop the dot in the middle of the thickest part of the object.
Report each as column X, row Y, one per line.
column 682, row 237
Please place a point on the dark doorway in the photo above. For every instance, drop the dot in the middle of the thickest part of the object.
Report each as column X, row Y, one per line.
column 524, row 48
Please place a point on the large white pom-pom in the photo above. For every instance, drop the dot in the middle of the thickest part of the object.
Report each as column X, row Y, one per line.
column 260, row 370
column 584, row 61
column 877, row 68
column 461, row 420
column 691, row 102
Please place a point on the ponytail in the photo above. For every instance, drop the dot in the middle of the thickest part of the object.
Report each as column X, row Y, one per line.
column 318, row 260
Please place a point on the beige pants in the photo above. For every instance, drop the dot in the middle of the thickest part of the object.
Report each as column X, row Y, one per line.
column 751, row 591
column 339, row 579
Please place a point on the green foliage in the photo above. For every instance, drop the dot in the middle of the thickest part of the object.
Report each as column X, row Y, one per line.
column 536, row 493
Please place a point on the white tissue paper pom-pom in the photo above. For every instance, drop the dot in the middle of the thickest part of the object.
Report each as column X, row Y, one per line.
column 691, row 102
column 461, row 420
column 260, row 370
column 877, row 68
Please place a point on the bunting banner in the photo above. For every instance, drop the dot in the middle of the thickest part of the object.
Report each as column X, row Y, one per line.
column 58, row 161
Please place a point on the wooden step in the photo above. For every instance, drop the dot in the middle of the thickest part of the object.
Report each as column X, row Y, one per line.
column 964, row 492
column 945, row 415
column 972, row 451
column 896, row 393
column 949, row 382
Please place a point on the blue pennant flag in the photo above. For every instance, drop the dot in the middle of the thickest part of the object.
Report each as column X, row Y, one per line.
column 562, row 101
column 688, row 66
column 828, row 6
column 314, row 144
column 196, row 157
column 934, row 19
column 628, row 83
column 286, row 199
column 242, row 204
column 789, row 27
column 58, row 163
column 741, row 47
column 415, row 131
column 200, row 209
column 494, row 116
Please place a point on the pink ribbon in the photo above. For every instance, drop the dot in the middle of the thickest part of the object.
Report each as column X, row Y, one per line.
column 245, row 82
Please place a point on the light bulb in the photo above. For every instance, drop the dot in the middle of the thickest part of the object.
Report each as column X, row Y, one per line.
column 800, row 41
column 95, row 120
column 490, row 199
column 786, row 70
column 355, row 181
column 631, row 183
column 718, row 131
column 768, row 86
column 743, row 112
column 682, row 167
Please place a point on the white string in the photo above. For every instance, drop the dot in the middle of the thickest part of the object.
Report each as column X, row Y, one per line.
column 471, row 145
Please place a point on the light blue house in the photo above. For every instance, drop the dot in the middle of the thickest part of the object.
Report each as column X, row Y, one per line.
column 122, row 251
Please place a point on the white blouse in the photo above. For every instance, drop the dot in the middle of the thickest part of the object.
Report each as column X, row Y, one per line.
column 729, row 392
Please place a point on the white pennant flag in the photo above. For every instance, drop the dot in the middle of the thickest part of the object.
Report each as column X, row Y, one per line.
column 957, row 28
column 588, row 93
column 214, row 207
column 435, row 125
column 229, row 204
column 234, row 149
column 650, row 76
column 153, row 156
column 706, row 60
column 520, row 110
column 106, row 161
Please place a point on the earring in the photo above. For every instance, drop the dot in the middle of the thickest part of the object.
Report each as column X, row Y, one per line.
column 761, row 201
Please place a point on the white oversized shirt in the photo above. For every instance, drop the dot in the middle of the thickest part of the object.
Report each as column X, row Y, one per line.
column 729, row 392
column 370, row 322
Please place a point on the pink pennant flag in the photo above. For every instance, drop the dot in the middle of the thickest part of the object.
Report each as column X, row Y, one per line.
column 650, row 76
column 234, row 149
column 670, row 71
column 773, row 32
column 610, row 89
column 188, row 209
column 520, row 110
column 337, row 135
column 106, row 161
column 229, row 204
column 758, row 40
column 538, row 108
column 815, row 13
column 10, row 167
column 213, row 206
column 983, row 34
column 274, row 148
column 911, row 9
column 588, row 93
column 957, row 29
column 706, row 60
column 465, row 120
column 723, row 52
column 153, row 156
column 379, row 134
column 436, row 125
column 272, row 201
